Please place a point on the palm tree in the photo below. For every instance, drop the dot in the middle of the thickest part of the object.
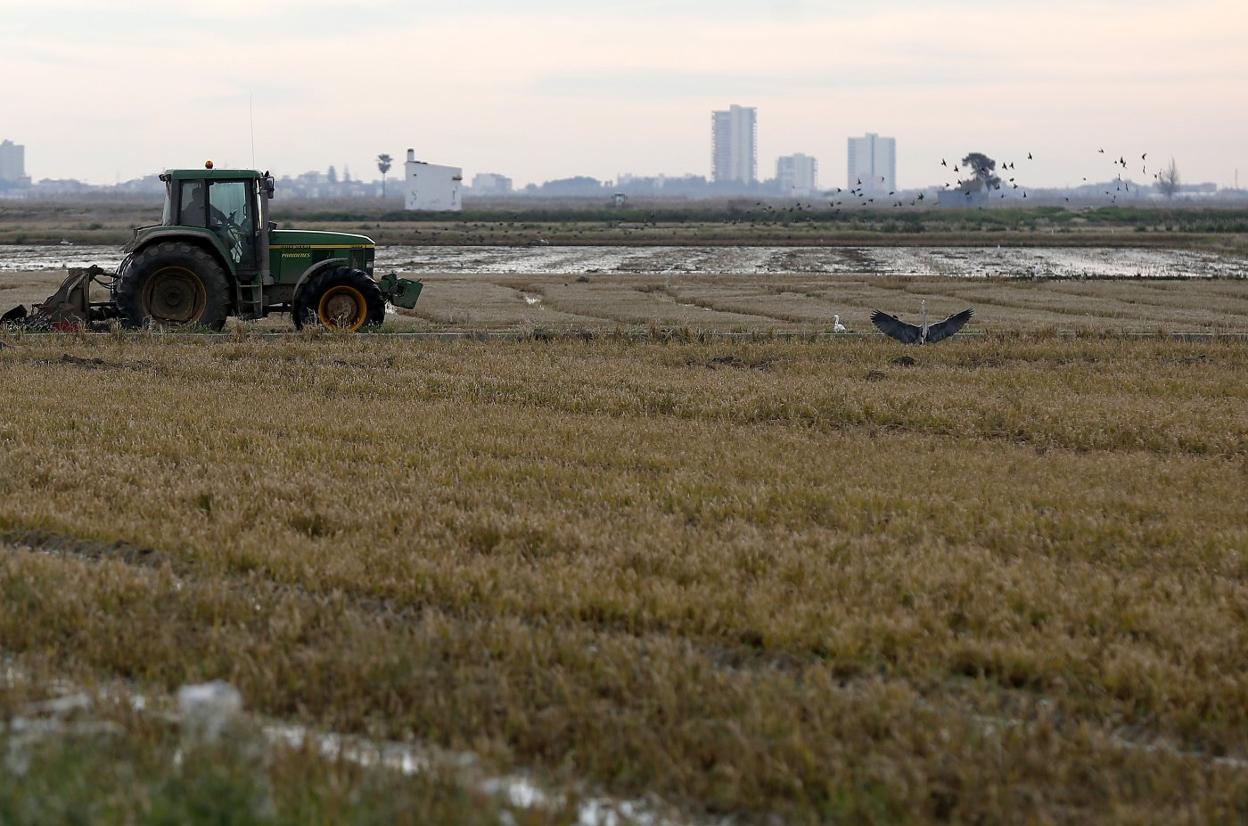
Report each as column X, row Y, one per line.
column 383, row 164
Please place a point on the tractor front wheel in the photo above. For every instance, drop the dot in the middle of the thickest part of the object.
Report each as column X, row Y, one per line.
column 173, row 284
column 341, row 299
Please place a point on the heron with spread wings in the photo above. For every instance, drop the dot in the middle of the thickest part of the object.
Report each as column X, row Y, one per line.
column 924, row 333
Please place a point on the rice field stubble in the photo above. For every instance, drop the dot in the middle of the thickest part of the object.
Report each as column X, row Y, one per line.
column 1007, row 583
column 801, row 303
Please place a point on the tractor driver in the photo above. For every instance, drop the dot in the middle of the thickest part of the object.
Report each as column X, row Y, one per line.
column 193, row 204
column 193, row 200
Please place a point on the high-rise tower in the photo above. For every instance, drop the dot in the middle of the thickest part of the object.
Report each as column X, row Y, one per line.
column 734, row 145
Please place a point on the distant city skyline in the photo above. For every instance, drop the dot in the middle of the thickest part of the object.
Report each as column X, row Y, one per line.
column 554, row 88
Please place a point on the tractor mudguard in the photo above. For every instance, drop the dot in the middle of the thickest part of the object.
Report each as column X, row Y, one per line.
column 401, row 292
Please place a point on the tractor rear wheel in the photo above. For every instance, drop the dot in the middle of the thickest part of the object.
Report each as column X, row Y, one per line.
column 173, row 284
column 341, row 299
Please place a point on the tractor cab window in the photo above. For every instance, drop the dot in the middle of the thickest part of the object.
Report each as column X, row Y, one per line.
column 231, row 215
column 191, row 205
column 166, row 214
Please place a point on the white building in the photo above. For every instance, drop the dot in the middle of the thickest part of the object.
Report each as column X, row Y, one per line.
column 13, row 163
column 797, row 175
column 873, row 160
column 734, row 145
column 491, row 183
column 432, row 188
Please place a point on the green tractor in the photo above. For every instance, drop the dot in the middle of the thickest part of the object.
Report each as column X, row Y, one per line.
column 215, row 254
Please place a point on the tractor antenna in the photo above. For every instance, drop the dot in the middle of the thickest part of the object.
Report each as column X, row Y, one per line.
column 251, row 116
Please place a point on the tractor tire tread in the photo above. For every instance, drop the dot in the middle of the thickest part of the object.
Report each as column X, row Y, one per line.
column 128, row 294
column 309, row 296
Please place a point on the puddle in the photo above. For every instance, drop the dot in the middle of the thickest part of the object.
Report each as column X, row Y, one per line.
column 954, row 262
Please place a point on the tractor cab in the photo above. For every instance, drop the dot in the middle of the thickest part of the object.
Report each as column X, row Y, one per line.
column 229, row 209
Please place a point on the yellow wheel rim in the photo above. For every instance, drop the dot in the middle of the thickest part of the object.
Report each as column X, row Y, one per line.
column 342, row 308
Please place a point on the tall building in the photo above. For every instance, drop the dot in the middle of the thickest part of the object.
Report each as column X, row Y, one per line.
column 12, row 163
column 432, row 188
column 491, row 183
column 734, row 145
column 873, row 160
column 797, row 175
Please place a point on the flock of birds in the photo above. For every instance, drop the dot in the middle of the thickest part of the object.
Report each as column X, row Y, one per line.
column 981, row 177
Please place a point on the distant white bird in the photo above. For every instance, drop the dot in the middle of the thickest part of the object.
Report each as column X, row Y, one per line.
column 837, row 326
column 894, row 327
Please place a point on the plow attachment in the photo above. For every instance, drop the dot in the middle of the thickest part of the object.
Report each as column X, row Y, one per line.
column 70, row 307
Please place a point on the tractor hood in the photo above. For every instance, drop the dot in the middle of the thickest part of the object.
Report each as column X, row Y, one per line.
column 312, row 239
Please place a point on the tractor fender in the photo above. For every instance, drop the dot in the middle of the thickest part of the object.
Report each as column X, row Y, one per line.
column 207, row 240
column 313, row 270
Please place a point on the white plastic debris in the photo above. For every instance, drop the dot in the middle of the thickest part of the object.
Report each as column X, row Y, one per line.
column 206, row 709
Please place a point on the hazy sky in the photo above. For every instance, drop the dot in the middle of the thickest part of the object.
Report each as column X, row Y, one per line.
column 552, row 88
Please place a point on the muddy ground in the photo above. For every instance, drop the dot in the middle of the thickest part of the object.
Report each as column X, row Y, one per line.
column 958, row 262
column 771, row 289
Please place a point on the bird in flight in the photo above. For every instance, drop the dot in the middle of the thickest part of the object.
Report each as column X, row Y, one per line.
column 943, row 163
column 924, row 333
column 1029, row 156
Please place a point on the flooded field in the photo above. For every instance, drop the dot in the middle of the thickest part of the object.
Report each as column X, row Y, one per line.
column 954, row 262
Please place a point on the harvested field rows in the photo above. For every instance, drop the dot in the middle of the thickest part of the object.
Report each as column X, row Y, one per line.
column 1007, row 583
column 809, row 303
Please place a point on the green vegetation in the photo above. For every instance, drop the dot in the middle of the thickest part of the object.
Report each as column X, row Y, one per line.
column 1006, row 583
column 659, row 223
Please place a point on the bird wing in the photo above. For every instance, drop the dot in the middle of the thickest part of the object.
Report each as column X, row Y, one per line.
column 949, row 326
column 894, row 327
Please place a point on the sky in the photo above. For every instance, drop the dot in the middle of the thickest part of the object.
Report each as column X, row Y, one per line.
column 105, row 90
